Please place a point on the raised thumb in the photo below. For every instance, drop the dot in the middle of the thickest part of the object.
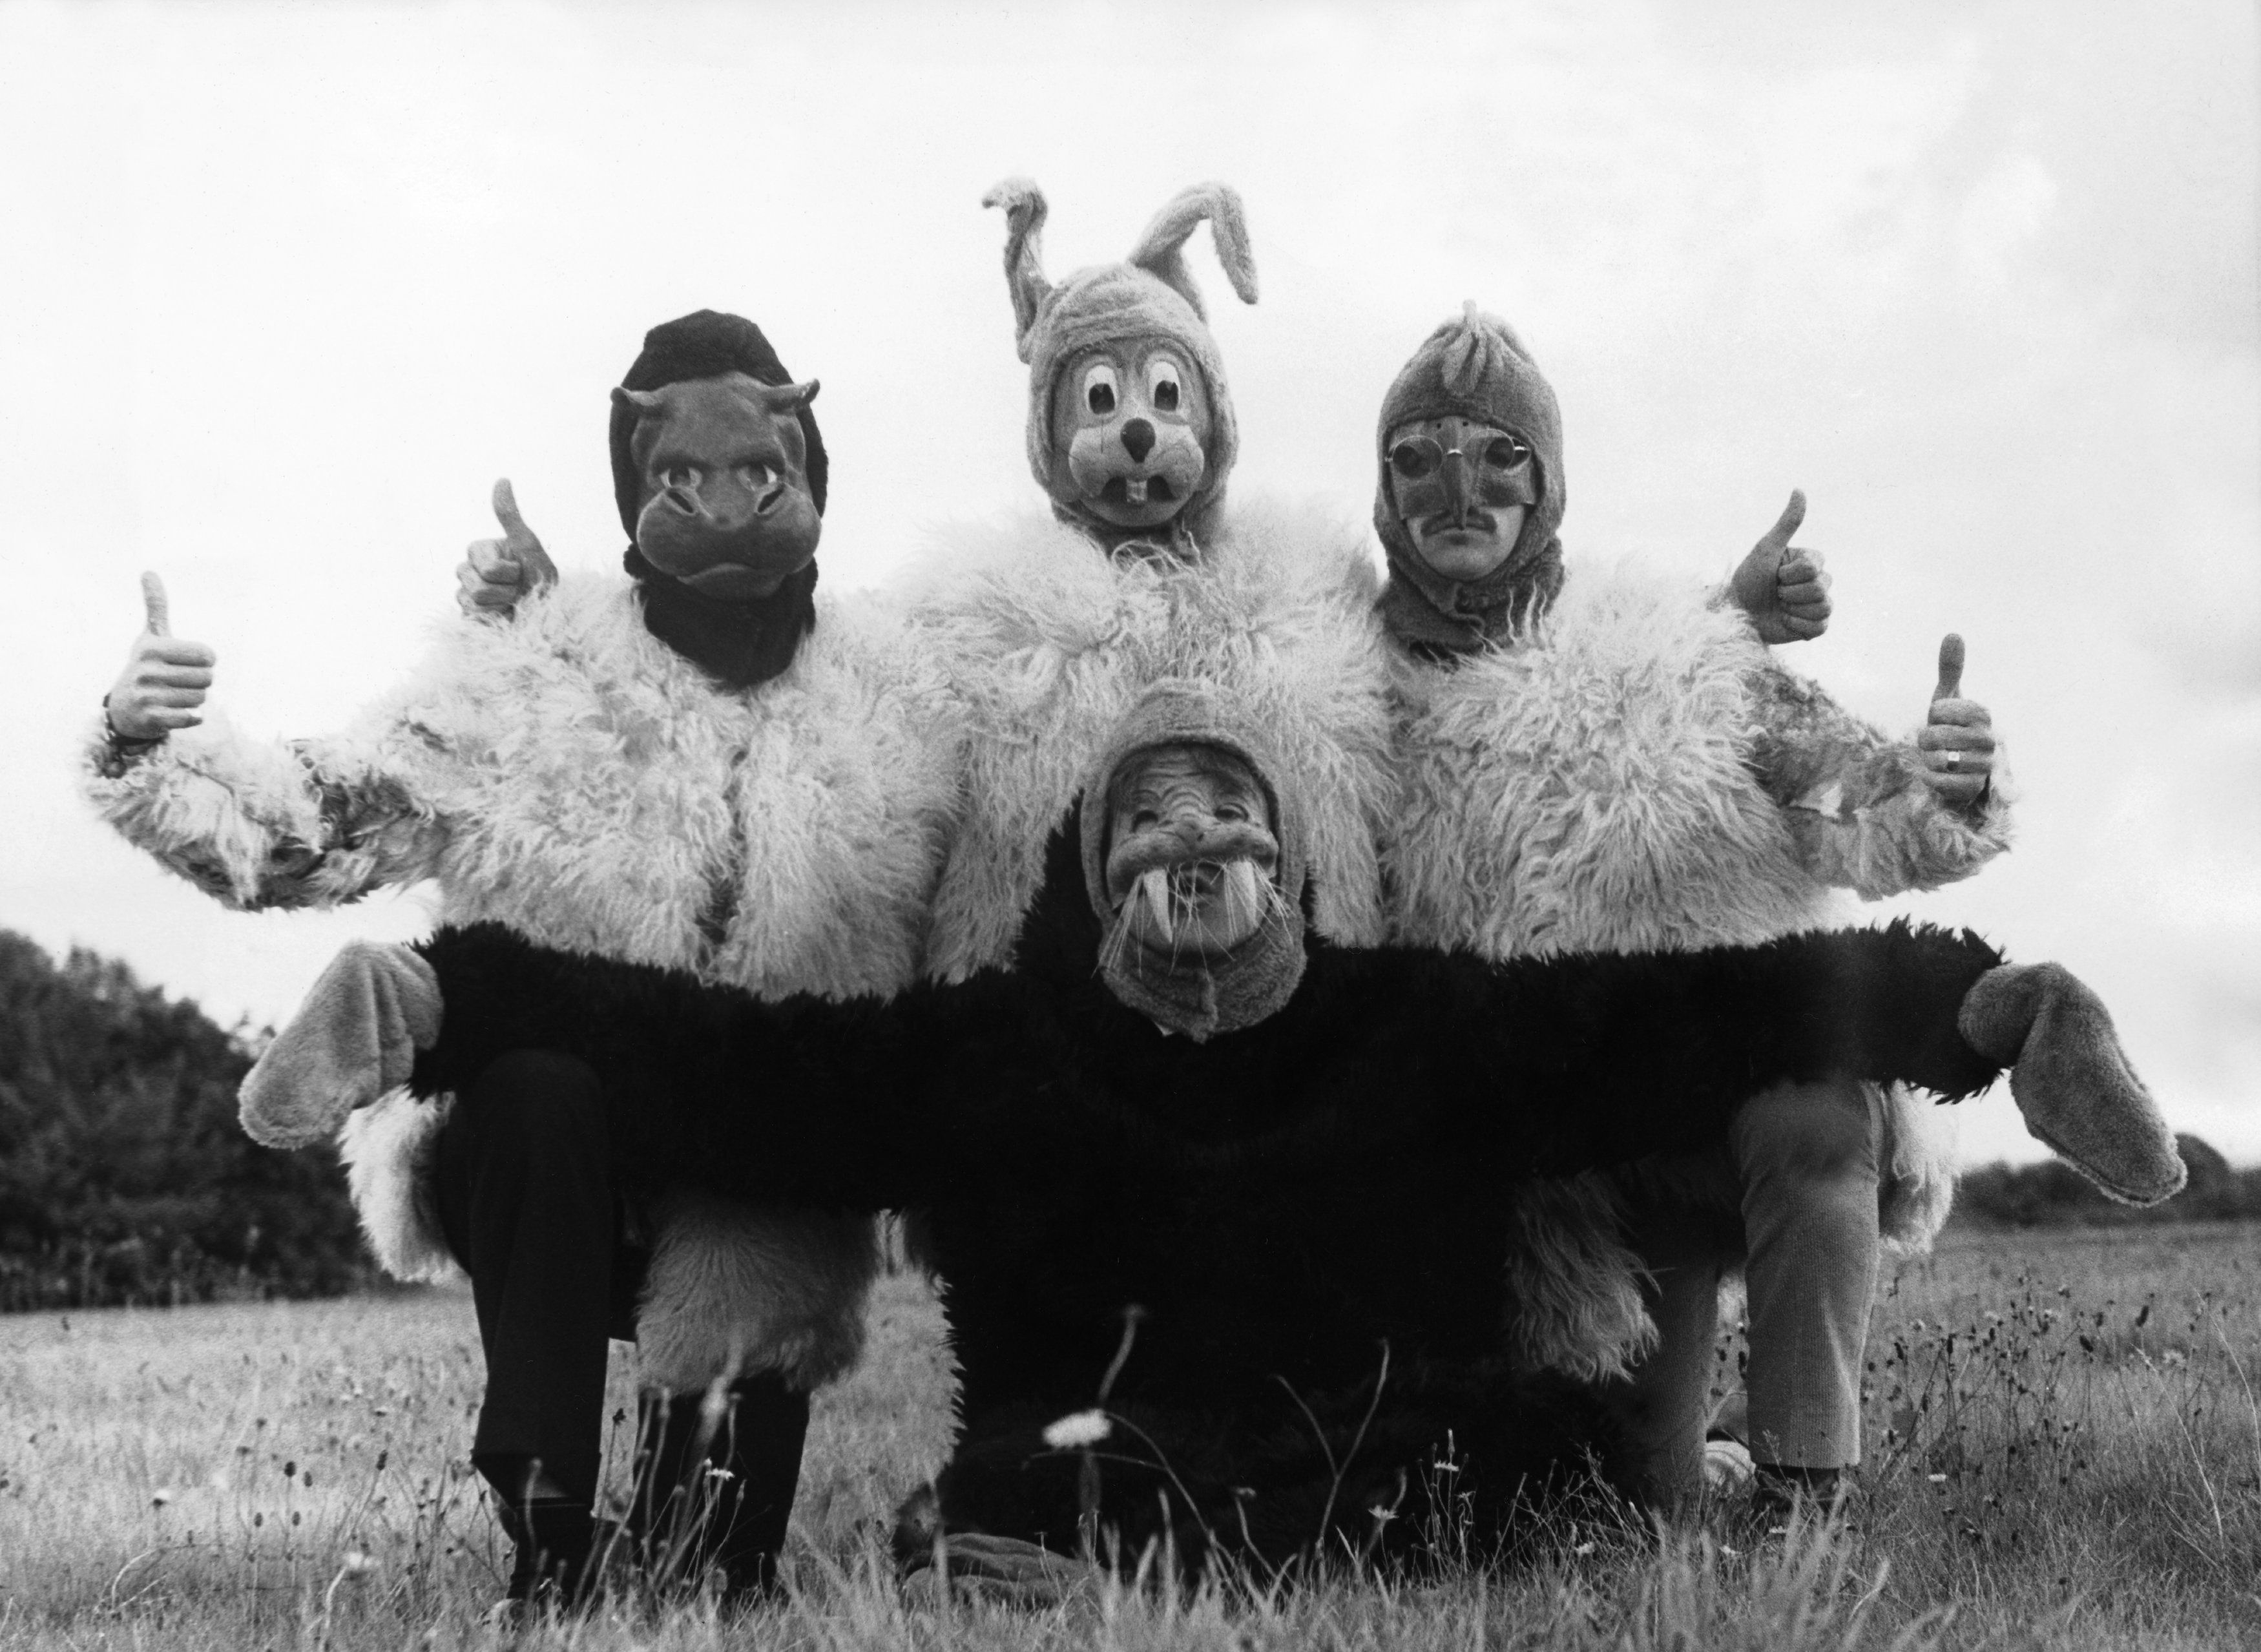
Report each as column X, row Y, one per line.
column 515, row 532
column 1786, row 525
column 157, row 611
column 1950, row 668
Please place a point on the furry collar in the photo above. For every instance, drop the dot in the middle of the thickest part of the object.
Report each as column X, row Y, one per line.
column 1049, row 644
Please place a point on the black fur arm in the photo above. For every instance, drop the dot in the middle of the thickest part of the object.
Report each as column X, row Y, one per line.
column 1584, row 1061
column 853, row 1105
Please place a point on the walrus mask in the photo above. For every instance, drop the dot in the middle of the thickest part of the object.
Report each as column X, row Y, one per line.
column 723, row 464
column 1189, row 850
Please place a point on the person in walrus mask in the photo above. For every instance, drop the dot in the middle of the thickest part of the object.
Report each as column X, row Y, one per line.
column 1213, row 1193
column 705, row 767
column 1604, row 760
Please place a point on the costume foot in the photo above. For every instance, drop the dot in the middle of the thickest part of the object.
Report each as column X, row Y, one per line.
column 1008, row 1571
column 354, row 1037
column 2072, row 1079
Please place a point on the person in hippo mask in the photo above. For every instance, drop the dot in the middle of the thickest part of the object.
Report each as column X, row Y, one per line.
column 1593, row 759
column 706, row 766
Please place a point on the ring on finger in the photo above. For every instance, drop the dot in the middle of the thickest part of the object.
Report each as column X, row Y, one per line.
column 1954, row 761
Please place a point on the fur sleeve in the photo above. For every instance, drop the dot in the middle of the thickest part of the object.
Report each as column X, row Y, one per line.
column 258, row 825
column 853, row 1105
column 1858, row 808
column 1586, row 1060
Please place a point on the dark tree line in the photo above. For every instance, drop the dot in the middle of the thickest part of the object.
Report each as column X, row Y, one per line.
column 124, row 1177
column 2053, row 1195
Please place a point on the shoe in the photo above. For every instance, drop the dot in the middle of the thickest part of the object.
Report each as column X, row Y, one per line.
column 550, row 1540
column 1728, row 1467
column 718, row 1489
column 1780, row 1491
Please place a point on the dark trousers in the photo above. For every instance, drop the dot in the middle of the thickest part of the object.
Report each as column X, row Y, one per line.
column 527, row 1205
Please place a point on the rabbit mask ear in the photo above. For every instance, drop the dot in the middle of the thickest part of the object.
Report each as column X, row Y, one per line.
column 1160, row 251
column 1024, row 277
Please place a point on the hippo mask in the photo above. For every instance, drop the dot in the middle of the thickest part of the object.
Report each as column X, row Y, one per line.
column 723, row 464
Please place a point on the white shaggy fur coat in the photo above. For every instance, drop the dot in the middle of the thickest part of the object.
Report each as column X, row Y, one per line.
column 570, row 775
column 1048, row 642
column 1639, row 774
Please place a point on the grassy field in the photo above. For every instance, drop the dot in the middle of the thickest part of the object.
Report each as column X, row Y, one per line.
column 2065, row 1450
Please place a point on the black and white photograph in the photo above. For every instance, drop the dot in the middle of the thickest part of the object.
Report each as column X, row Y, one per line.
column 1279, row 824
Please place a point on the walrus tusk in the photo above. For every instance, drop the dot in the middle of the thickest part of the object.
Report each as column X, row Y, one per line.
column 1155, row 882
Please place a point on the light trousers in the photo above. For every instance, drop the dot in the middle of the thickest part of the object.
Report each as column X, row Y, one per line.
column 1794, row 1197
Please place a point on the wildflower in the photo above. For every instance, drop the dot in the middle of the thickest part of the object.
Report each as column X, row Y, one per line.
column 1078, row 1429
column 355, row 1564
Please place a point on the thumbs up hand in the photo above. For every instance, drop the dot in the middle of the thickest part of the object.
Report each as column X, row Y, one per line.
column 1782, row 586
column 1957, row 740
column 496, row 575
column 164, row 680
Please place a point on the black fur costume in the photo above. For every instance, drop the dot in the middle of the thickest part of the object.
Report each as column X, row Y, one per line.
column 1283, row 1201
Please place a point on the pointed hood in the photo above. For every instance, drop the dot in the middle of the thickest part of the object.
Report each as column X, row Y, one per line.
column 1475, row 367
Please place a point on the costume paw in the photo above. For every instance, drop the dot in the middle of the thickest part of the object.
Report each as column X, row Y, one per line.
column 938, row 1563
column 2072, row 1080
column 354, row 1037
column 1008, row 1570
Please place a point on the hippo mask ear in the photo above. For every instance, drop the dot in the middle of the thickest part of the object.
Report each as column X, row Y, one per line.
column 1160, row 251
column 781, row 399
column 1024, row 276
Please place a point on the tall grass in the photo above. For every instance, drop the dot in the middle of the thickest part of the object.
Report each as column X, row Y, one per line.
column 2065, row 1449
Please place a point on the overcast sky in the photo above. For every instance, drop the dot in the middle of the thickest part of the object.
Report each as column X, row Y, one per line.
column 283, row 288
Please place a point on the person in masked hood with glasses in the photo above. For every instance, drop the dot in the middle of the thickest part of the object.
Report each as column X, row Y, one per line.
column 1604, row 760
